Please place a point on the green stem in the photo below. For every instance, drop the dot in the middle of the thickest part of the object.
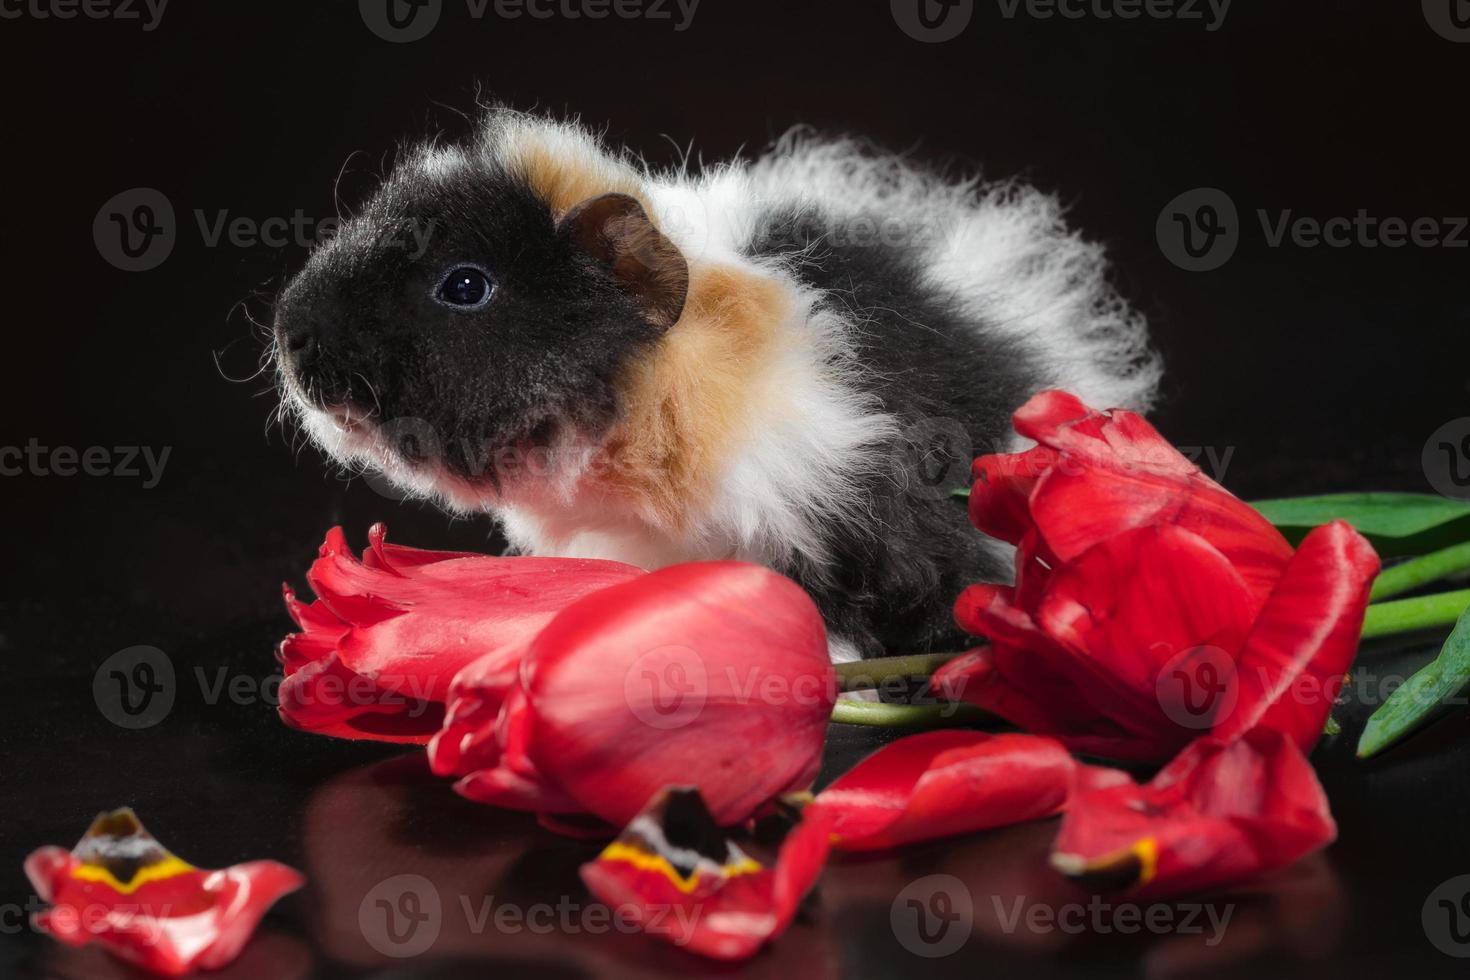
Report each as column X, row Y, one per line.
column 880, row 715
column 1421, row 612
column 1421, row 571
column 863, row 674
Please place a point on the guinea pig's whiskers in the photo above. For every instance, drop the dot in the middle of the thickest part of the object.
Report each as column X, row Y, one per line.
column 377, row 410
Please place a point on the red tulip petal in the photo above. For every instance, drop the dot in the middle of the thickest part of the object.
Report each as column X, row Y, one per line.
column 511, row 790
column 392, row 557
column 1078, row 506
column 1046, row 412
column 1219, row 814
column 1019, row 687
column 1115, row 472
column 1143, row 604
column 938, row 784
column 326, row 698
column 346, row 586
column 467, row 741
column 121, row 889
column 1061, row 421
column 675, row 874
column 1027, row 659
column 1000, row 499
column 310, row 617
column 388, row 634
column 497, row 765
column 713, row 672
column 1292, row 665
column 465, row 609
column 1029, row 679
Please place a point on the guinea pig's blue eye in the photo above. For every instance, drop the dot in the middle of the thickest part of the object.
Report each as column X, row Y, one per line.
column 466, row 287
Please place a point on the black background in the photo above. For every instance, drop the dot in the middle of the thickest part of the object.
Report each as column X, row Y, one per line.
column 1315, row 368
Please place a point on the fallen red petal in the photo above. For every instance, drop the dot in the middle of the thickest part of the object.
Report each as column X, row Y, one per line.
column 938, row 784
column 676, row 875
column 1218, row 814
column 122, row 890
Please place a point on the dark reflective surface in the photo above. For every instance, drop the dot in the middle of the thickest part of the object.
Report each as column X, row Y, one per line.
column 219, row 780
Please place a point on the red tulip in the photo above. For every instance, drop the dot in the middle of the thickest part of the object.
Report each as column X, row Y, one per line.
column 1223, row 812
column 121, row 889
column 1150, row 606
column 678, row 877
column 943, row 783
column 712, row 673
column 386, row 634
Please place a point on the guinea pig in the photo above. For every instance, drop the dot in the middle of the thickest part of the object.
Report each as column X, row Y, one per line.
column 788, row 361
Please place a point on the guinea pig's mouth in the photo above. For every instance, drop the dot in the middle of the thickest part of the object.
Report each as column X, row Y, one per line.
column 347, row 417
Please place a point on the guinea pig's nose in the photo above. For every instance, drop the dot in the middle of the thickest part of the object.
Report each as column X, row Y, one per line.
column 298, row 339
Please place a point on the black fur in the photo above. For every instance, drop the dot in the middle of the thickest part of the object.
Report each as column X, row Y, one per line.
column 953, row 386
column 369, row 337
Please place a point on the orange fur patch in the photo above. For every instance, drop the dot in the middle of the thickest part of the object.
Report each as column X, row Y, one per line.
column 688, row 402
column 565, row 180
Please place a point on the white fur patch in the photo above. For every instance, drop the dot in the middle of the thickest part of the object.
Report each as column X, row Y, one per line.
column 1003, row 248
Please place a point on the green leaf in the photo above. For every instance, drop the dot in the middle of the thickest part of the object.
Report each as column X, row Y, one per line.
column 1398, row 523
column 1421, row 695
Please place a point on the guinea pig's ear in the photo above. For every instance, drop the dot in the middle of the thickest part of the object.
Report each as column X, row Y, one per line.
column 615, row 230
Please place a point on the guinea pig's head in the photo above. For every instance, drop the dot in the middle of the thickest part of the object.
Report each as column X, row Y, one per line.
column 457, row 323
